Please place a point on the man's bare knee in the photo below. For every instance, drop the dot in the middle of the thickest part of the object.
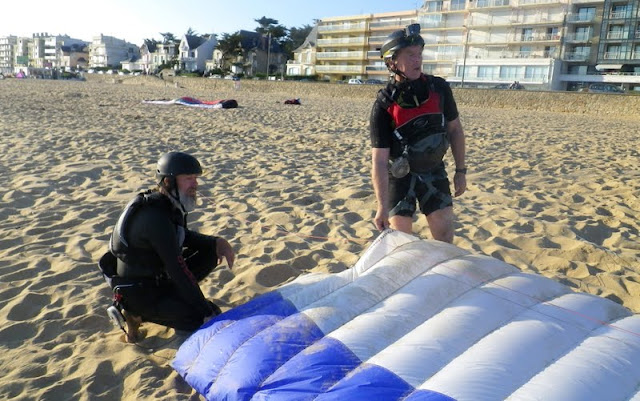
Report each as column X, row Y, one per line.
column 441, row 224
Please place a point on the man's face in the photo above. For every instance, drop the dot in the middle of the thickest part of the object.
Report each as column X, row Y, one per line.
column 187, row 188
column 409, row 61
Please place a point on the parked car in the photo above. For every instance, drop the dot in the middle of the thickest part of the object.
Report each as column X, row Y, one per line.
column 603, row 88
column 355, row 81
column 513, row 85
column 374, row 82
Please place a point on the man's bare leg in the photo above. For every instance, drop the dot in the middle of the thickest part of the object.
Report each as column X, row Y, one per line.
column 401, row 223
column 133, row 326
column 441, row 224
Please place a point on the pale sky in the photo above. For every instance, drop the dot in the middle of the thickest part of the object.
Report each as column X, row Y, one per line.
column 135, row 20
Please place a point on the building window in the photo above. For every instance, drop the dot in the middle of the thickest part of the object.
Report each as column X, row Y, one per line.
column 488, row 72
column 578, row 70
column 458, row 4
column 433, row 6
column 536, row 73
column 586, row 13
column 613, row 52
column 620, row 11
column 583, row 33
column 509, row 72
column 525, row 51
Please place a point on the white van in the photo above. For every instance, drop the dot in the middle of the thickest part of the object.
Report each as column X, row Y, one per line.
column 355, row 81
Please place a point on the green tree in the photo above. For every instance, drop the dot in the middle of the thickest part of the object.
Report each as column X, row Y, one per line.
column 151, row 42
column 230, row 45
column 269, row 26
column 168, row 37
column 295, row 39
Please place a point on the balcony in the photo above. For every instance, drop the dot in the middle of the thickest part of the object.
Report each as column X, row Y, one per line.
column 537, row 38
column 376, row 69
column 617, row 35
column 354, row 55
column 580, row 18
column 576, row 56
column 345, row 27
column 373, row 54
column 614, row 56
column 446, row 57
column 377, row 40
column 360, row 41
column 536, row 2
column 339, row 69
column 577, row 37
column 620, row 15
column 390, row 25
column 491, row 3
column 554, row 20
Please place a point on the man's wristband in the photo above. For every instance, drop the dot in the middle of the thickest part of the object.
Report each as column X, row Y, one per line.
column 461, row 170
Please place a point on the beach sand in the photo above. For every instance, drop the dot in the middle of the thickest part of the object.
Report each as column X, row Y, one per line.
column 289, row 186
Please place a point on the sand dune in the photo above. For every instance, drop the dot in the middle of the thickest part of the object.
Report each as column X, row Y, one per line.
column 289, row 187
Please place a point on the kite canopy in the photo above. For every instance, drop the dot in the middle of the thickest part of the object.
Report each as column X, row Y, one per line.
column 418, row 320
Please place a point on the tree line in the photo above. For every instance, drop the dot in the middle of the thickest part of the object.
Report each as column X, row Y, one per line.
column 229, row 44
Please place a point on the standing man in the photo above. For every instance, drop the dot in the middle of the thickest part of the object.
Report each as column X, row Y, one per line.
column 413, row 122
column 155, row 262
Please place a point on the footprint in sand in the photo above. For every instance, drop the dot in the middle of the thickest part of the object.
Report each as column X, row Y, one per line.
column 29, row 307
column 15, row 335
column 274, row 275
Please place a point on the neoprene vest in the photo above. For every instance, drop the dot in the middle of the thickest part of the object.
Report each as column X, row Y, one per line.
column 422, row 130
column 119, row 243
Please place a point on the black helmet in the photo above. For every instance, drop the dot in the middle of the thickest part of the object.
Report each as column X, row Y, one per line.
column 174, row 163
column 400, row 39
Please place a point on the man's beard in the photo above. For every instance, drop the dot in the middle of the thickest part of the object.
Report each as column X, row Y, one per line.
column 188, row 202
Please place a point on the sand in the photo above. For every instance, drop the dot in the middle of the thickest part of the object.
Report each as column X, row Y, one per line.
column 553, row 193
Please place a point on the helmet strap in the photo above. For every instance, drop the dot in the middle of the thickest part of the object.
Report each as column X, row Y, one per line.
column 174, row 194
column 392, row 68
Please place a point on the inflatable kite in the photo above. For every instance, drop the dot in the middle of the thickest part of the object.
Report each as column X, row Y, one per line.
column 418, row 320
column 193, row 102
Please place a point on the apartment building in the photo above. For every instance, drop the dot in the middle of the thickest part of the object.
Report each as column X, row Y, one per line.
column 53, row 51
column 7, row 45
column 107, row 51
column 543, row 44
column 619, row 45
column 349, row 47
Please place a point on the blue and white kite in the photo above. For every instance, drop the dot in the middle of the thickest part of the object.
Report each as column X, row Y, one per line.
column 418, row 320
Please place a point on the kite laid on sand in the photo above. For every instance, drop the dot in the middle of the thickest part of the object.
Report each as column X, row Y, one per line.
column 418, row 320
column 193, row 102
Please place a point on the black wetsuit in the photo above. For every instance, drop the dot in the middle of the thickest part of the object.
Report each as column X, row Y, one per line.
column 419, row 110
column 159, row 269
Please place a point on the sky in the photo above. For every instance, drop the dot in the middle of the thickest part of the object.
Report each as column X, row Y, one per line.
column 136, row 20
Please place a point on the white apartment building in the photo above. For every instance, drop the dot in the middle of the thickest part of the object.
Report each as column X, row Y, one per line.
column 349, row 47
column 107, row 51
column 543, row 44
column 52, row 49
column 7, row 45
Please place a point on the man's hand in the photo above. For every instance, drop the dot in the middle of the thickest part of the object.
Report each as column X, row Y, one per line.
column 381, row 220
column 459, row 183
column 224, row 250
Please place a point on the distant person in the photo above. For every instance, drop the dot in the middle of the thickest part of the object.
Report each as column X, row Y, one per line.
column 413, row 121
column 155, row 262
